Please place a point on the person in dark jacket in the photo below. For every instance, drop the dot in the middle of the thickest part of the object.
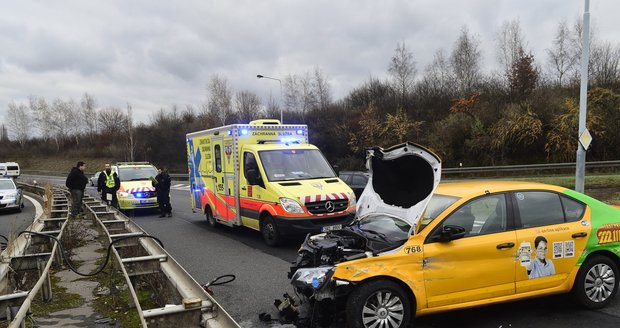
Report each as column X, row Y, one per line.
column 76, row 182
column 162, row 186
column 108, row 184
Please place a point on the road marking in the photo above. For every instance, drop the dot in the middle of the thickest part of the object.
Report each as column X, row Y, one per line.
column 180, row 187
column 38, row 208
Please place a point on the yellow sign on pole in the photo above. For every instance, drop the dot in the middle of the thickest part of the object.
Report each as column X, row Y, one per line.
column 585, row 139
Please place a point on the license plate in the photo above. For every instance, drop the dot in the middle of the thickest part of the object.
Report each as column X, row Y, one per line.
column 144, row 201
column 331, row 227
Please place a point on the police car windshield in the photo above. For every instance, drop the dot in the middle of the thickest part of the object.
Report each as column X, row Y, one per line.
column 136, row 173
column 295, row 164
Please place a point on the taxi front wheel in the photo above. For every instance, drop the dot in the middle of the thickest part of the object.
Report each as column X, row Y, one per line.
column 596, row 283
column 379, row 303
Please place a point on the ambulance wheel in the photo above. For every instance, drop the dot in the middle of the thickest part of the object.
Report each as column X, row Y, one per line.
column 270, row 233
column 210, row 218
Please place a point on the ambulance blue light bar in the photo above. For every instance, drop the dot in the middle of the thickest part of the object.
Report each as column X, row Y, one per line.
column 229, row 132
column 300, row 132
column 244, row 132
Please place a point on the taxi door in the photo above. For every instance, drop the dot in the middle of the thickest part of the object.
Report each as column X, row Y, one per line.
column 478, row 266
column 551, row 233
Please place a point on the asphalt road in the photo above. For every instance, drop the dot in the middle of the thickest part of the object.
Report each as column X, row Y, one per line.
column 13, row 222
column 261, row 276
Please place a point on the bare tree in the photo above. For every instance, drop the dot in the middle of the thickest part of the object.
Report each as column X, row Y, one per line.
column 322, row 90
column 299, row 93
column 561, row 58
column 89, row 115
column 605, row 64
column 220, row 99
column 272, row 109
column 4, row 134
column 465, row 62
column 511, row 45
column 403, row 70
column 42, row 117
column 112, row 120
column 248, row 106
column 131, row 147
column 438, row 78
column 19, row 122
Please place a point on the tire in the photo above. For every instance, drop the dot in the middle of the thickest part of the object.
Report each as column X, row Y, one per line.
column 210, row 218
column 596, row 283
column 379, row 303
column 270, row 232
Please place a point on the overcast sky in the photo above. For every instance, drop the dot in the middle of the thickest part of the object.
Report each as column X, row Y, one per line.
column 153, row 54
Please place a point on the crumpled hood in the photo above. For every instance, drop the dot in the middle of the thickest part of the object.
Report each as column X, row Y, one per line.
column 402, row 181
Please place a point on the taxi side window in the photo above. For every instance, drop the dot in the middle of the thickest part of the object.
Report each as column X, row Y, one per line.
column 218, row 158
column 481, row 216
column 573, row 210
column 539, row 208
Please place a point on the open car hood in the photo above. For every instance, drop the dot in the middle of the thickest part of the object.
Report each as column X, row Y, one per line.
column 402, row 181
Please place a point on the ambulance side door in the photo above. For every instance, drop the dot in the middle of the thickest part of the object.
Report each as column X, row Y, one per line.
column 220, row 210
column 251, row 189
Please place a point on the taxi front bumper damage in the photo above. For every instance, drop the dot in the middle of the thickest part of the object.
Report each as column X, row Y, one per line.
column 312, row 273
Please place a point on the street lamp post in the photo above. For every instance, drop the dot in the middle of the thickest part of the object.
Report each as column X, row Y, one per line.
column 281, row 104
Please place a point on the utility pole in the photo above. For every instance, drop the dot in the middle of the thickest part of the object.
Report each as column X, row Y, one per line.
column 584, row 135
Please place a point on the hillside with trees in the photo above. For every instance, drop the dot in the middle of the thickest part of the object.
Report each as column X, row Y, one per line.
column 526, row 111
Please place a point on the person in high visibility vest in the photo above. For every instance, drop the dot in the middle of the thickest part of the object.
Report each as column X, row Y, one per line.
column 108, row 183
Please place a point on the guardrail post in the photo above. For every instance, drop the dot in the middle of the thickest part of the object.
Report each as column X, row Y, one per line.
column 46, row 289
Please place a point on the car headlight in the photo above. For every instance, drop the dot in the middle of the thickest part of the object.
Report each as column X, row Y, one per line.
column 291, row 206
column 125, row 194
column 352, row 200
column 312, row 277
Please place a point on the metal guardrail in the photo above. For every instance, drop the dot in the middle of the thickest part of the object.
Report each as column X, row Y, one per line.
column 139, row 256
column 16, row 305
column 529, row 167
column 450, row 170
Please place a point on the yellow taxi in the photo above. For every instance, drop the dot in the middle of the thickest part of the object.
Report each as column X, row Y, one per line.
column 419, row 247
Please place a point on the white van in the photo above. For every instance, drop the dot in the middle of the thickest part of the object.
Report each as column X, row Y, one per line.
column 9, row 169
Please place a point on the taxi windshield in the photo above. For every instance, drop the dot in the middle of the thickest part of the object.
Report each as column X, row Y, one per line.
column 295, row 164
column 383, row 227
column 136, row 173
column 436, row 205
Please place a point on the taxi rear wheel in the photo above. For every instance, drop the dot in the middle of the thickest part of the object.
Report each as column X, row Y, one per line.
column 379, row 303
column 270, row 232
column 596, row 283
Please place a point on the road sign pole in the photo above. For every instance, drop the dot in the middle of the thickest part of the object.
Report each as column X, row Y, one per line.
column 583, row 99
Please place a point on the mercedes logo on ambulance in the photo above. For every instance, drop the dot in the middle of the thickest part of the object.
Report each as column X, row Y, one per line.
column 329, row 206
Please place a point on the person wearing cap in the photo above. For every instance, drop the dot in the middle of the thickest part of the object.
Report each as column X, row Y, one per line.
column 76, row 182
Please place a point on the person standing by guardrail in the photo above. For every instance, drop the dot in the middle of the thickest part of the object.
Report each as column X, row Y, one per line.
column 162, row 184
column 76, row 182
column 108, row 183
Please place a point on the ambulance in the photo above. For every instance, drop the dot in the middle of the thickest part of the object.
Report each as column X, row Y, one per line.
column 266, row 176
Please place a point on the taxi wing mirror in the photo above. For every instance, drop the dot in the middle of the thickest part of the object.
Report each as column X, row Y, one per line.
column 449, row 233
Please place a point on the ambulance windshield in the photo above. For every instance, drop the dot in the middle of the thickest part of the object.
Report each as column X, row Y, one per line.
column 295, row 164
